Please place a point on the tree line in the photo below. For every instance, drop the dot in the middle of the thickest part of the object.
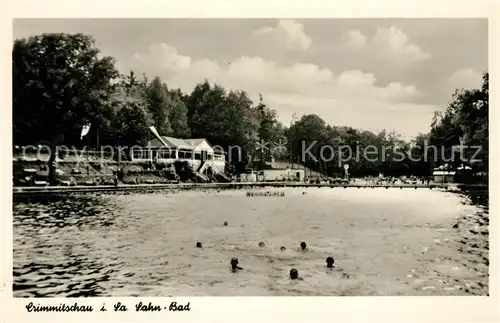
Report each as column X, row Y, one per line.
column 63, row 81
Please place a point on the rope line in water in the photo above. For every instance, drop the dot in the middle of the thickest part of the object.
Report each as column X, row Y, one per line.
column 267, row 194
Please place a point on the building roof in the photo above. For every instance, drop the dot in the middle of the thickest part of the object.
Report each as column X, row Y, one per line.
column 172, row 142
column 177, row 142
column 195, row 142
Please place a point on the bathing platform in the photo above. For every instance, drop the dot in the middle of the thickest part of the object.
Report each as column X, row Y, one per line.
column 48, row 190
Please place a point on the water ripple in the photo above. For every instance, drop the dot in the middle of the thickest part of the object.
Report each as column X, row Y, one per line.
column 130, row 244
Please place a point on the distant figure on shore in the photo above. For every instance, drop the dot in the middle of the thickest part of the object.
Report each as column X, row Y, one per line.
column 329, row 262
column 294, row 274
column 282, row 248
column 303, row 246
column 261, row 244
column 198, row 245
column 225, row 223
column 234, row 265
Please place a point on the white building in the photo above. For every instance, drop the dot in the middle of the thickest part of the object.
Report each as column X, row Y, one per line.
column 196, row 151
column 442, row 176
column 281, row 175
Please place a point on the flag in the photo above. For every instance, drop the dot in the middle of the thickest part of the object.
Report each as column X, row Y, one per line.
column 85, row 130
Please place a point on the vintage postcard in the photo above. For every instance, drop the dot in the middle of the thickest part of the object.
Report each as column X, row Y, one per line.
column 157, row 160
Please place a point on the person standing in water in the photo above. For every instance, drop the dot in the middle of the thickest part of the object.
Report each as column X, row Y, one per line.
column 294, row 274
column 330, row 265
column 234, row 265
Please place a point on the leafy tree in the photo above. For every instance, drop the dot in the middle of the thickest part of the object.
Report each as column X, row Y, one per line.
column 60, row 82
column 206, row 106
column 241, row 124
column 130, row 121
column 268, row 132
column 420, row 156
column 158, row 101
column 464, row 123
column 224, row 119
column 165, row 109
column 195, row 104
column 178, row 115
column 309, row 131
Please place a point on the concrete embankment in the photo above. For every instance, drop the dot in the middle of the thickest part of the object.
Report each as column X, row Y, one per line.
column 47, row 190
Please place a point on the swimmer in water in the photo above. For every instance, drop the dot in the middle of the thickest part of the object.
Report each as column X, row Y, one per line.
column 198, row 244
column 225, row 223
column 282, row 248
column 329, row 262
column 234, row 265
column 303, row 246
column 330, row 265
column 294, row 274
column 261, row 244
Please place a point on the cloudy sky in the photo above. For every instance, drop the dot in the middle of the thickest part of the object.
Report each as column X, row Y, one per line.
column 372, row 74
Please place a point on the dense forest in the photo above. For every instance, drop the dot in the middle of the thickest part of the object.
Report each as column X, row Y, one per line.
column 62, row 81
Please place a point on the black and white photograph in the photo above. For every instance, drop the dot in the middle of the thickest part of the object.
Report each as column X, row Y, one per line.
column 250, row 157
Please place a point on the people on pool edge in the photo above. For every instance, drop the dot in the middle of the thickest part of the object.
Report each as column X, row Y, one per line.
column 234, row 265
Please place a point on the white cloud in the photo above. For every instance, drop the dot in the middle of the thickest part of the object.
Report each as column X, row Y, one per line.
column 289, row 32
column 356, row 39
column 390, row 43
column 373, row 115
column 466, row 78
column 351, row 97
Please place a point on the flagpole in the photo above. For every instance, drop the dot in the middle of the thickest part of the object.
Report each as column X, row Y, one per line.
column 85, row 131
column 88, row 153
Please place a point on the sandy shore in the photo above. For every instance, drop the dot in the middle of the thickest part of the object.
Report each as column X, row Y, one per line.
column 474, row 246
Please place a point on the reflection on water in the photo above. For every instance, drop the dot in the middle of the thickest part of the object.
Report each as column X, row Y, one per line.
column 396, row 242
